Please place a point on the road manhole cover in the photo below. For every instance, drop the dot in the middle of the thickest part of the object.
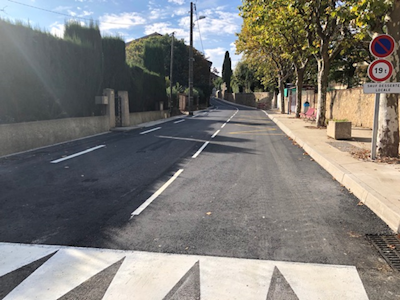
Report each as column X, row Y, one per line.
column 389, row 247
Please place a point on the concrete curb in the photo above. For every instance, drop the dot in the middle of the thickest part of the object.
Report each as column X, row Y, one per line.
column 378, row 203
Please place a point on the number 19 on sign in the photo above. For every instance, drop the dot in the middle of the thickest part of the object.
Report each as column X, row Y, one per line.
column 380, row 70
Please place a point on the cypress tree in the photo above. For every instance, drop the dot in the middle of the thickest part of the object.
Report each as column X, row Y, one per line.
column 227, row 71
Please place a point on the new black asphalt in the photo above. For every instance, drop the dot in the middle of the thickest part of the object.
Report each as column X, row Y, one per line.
column 251, row 193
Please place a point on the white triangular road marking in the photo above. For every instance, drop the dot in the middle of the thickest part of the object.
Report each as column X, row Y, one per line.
column 328, row 282
column 64, row 271
column 231, row 278
column 148, row 275
column 15, row 256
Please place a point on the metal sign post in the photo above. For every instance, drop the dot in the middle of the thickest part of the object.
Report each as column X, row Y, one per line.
column 379, row 71
column 375, row 126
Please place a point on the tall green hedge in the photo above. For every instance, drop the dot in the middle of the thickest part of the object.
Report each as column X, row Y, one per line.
column 147, row 90
column 45, row 77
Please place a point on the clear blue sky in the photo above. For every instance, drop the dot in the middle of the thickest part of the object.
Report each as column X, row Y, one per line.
column 132, row 19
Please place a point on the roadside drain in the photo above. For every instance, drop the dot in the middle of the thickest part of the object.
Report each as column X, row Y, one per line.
column 389, row 247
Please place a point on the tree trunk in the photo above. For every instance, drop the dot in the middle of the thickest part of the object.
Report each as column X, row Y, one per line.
column 281, row 94
column 275, row 100
column 323, row 71
column 388, row 128
column 299, row 88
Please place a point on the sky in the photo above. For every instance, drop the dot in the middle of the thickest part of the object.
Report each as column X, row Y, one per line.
column 132, row 19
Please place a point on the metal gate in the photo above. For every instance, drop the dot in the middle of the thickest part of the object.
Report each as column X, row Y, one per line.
column 118, row 111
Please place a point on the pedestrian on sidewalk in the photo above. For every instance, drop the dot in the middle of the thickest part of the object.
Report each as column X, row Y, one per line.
column 306, row 106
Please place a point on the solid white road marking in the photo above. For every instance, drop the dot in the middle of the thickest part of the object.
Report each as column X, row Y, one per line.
column 76, row 154
column 147, row 275
column 182, row 120
column 147, row 131
column 201, row 149
column 156, row 194
column 215, row 134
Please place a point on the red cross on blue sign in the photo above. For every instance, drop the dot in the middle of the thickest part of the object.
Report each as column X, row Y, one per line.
column 382, row 45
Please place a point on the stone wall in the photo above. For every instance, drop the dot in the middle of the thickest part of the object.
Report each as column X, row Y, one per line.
column 147, row 116
column 350, row 104
column 259, row 99
column 29, row 135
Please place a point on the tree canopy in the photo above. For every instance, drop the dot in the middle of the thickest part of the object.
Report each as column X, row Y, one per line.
column 279, row 37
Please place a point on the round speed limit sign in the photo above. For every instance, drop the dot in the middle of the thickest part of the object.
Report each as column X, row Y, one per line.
column 380, row 70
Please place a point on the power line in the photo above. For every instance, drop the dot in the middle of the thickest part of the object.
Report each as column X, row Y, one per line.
column 198, row 27
column 62, row 14
column 4, row 10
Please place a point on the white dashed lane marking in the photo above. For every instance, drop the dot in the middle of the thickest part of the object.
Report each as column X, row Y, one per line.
column 150, row 130
column 77, row 154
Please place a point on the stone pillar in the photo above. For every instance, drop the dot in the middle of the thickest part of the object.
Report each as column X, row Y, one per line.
column 110, row 111
column 124, row 108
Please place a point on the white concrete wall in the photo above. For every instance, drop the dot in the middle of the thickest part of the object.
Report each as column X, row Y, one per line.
column 29, row 135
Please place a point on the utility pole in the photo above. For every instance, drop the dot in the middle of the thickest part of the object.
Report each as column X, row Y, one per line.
column 171, row 102
column 191, row 62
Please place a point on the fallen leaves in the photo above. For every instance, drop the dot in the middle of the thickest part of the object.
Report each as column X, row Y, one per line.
column 361, row 154
column 354, row 234
column 360, row 203
column 208, row 213
column 365, row 155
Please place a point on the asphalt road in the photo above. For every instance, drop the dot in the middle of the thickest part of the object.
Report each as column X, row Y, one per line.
column 227, row 183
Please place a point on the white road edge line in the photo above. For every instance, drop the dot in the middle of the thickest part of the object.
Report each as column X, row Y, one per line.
column 156, row 194
column 176, row 122
column 223, row 125
column 201, row 149
column 147, row 131
column 215, row 134
column 76, row 154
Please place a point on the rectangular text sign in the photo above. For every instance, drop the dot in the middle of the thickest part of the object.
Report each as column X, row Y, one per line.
column 382, row 88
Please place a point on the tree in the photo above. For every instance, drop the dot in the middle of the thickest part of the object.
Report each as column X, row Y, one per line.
column 330, row 20
column 135, row 56
column 261, row 44
column 227, row 71
column 243, row 77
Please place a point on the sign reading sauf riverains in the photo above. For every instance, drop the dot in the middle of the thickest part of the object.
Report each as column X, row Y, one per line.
column 380, row 70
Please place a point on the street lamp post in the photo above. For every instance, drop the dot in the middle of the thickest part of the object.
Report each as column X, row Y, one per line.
column 191, row 62
column 191, row 59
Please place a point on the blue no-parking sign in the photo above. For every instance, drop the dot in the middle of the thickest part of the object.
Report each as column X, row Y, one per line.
column 382, row 45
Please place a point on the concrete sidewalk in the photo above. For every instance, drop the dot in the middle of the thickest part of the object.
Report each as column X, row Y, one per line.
column 377, row 185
